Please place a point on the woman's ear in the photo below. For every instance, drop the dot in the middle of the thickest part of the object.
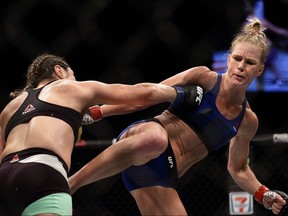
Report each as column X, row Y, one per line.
column 59, row 72
column 260, row 71
column 228, row 59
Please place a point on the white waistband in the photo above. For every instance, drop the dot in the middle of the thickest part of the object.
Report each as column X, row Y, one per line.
column 46, row 159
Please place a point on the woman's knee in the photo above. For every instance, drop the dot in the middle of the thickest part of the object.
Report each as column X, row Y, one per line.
column 155, row 139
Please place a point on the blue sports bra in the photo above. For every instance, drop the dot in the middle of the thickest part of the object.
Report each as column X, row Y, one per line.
column 210, row 125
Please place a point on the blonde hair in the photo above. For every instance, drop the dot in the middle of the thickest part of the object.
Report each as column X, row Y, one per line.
column 252, row 32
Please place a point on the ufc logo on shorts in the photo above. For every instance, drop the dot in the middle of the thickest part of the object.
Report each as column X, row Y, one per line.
column 170, row 161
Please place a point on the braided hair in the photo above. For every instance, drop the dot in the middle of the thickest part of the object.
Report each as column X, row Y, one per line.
column 42, row 67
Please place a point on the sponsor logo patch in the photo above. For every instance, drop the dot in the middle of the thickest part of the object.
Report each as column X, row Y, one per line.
column 240, row 203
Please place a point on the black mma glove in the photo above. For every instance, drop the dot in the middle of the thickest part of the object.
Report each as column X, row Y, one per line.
column 189, row 96
column 284, row 210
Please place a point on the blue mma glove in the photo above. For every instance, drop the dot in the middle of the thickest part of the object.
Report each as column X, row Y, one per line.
column 189, row 96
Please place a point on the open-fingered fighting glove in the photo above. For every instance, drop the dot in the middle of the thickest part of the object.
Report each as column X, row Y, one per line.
column 284, row 210
column 264, row 192
column 189, row 96
column 93, row 114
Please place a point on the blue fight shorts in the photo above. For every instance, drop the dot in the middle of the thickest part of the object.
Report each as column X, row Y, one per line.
column 160, row 171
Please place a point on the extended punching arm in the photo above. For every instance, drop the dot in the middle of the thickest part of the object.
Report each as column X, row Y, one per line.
column 189, row 96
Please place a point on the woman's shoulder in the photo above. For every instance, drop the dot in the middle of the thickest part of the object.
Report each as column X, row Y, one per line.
column 250, row 120
column 11, row 108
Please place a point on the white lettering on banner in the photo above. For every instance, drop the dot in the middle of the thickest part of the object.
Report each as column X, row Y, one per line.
column 280, row 138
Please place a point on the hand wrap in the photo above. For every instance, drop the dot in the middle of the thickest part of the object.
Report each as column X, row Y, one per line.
column 93, row 115
column 259, row 194
column 189, row 96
